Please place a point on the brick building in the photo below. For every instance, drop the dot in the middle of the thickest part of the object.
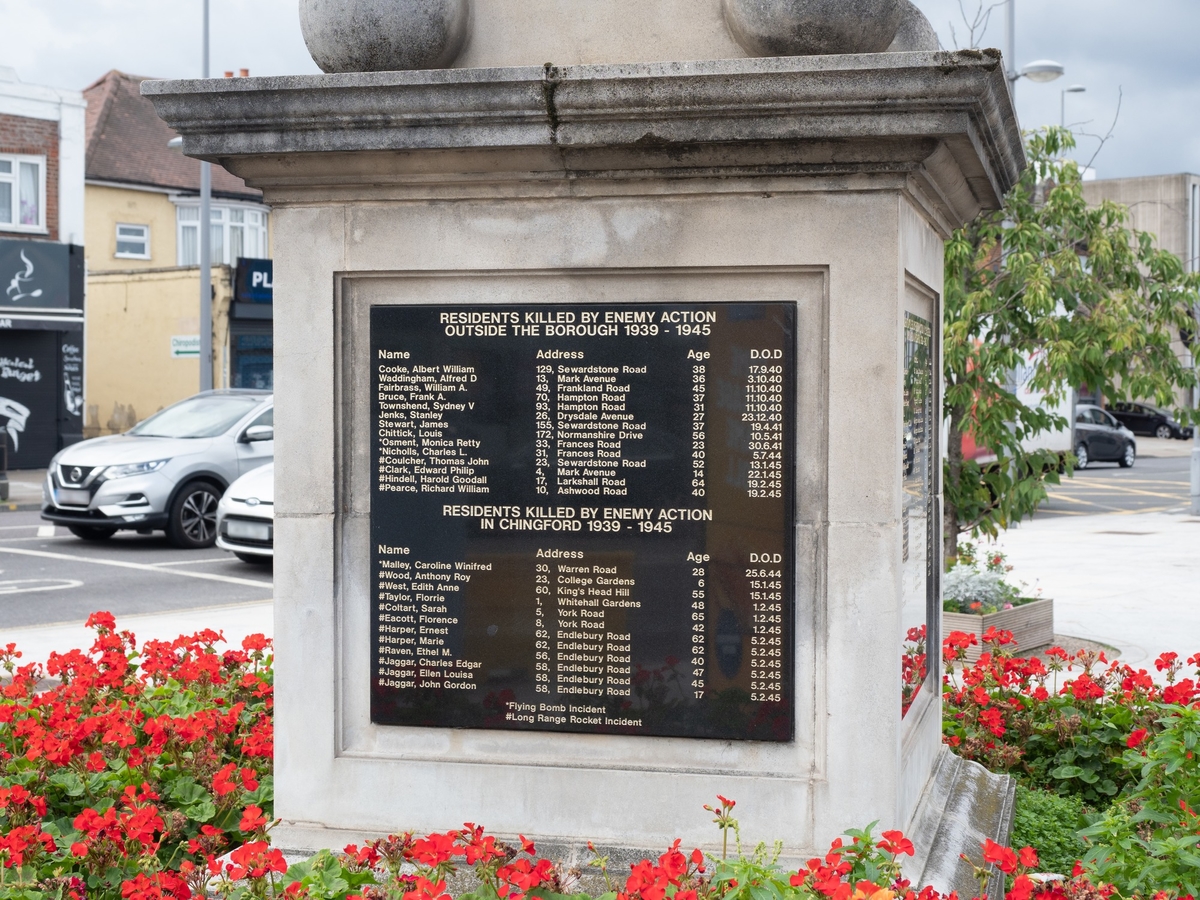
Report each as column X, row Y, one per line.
column 41, row 269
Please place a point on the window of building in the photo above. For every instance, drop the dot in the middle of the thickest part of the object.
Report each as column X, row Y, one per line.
column 237, row 231
column 133, row 242
column 23, row 193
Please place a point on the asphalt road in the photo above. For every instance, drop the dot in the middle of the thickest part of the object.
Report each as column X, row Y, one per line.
column 49, row 576
column 1154, row 484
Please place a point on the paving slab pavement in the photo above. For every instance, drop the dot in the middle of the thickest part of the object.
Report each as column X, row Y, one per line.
column 1159, row 448
column 235, row 622
column 24, row 490
column 1130, row 581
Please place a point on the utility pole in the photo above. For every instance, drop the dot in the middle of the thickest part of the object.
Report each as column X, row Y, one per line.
column 1194, row 266
column 1010, row 52
column 206, row 327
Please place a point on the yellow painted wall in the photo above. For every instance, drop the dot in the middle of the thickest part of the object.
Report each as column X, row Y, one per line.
column 106, row 207
column 130, row 317
column 135, row 306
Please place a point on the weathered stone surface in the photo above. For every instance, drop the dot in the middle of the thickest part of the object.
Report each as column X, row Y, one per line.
column 824, row 181
column 963, row 804
column 593, row 32
column 804, row 27
column 914, row 33
column 384, row 35
column 944, row 120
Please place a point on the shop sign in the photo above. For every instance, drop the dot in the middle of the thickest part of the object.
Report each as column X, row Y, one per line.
column 254, row 282
column 185, row 346
column 34, row 275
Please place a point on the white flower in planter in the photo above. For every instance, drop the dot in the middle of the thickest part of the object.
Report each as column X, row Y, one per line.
column 966, row 586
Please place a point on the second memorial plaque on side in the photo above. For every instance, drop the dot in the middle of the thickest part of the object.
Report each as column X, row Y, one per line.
column 582, row 518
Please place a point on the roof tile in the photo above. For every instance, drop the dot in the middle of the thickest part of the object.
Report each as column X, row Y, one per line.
column 127, row 142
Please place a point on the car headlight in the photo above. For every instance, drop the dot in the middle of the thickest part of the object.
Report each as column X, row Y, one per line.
column 143, row 468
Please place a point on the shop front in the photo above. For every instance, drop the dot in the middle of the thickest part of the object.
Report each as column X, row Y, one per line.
column 41, row 350
column 251, row 342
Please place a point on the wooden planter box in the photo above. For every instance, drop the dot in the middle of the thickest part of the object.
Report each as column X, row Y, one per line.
column 1032, row 626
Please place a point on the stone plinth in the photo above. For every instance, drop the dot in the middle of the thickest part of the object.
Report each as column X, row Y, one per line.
column 825, row 182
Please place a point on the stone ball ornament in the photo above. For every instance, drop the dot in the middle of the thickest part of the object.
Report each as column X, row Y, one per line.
column 384, row 35
column 812, row 27
column 914, row 33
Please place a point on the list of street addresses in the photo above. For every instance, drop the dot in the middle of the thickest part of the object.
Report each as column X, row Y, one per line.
column 582, row 518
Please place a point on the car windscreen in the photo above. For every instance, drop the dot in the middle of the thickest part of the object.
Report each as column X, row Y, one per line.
column 197, row 417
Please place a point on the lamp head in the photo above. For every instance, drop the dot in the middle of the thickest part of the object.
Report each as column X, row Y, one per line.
column 1074, row 89
column 1042, row 70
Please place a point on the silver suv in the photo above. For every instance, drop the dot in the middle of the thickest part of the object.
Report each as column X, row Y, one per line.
column 167, row 472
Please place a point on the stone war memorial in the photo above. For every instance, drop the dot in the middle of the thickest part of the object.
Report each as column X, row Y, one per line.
column 608, row 464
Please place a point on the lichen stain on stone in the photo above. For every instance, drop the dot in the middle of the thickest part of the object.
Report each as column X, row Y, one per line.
column 674, row 151
column 550, row 82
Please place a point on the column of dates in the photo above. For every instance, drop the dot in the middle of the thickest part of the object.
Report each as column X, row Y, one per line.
column 699, row 431
column 699, row 619
column 543, row 426
column 764, row 413
column 766, row 643
column 541, row 594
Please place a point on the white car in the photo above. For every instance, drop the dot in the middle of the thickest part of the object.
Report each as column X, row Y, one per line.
column 246, row 516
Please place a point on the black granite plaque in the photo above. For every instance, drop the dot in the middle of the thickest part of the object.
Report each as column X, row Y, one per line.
column 582, row 518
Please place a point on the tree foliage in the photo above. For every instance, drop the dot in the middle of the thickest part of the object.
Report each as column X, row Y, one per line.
column 1072, row 296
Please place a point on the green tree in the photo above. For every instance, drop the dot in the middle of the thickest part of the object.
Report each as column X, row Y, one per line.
column 1070, row 291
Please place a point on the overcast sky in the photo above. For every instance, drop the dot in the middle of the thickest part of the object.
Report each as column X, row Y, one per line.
column 1147, row 48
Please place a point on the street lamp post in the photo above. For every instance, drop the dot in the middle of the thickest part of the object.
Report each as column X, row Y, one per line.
column 206, row 329
column 1073, row 89
column 1041, row 70
column 1194, row 266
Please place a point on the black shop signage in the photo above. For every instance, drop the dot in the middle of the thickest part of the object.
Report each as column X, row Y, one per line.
column 254, row 282
column 34, row 275
column 582, row 518
column 29, row 408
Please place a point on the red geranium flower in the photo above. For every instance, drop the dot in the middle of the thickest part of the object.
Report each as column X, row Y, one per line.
column 252, row 819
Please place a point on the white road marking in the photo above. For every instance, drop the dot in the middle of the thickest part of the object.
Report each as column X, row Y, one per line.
column 25, row 540
column 44, row 584
column 144, row 567
column 45, row 531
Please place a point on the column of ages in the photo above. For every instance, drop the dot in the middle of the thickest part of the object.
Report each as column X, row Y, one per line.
column 699, row 431
column 699, row 565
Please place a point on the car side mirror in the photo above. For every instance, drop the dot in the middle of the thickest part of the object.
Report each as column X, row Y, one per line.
column 258, row 433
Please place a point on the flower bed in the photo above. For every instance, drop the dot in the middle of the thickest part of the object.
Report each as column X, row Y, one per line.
column 977, row 597
column 145, row 773
column 1084, row 726
column 125, row 778
column 1030, row 624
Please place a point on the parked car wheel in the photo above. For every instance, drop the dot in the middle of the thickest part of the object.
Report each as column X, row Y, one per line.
column 91, row 532
column 1163, row 432
column 193, row 521
column 1081, row 456
column 1128, row 457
